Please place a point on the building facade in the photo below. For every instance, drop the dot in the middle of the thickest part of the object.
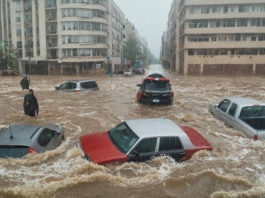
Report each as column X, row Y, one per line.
column 219, row 37
column 63, row 36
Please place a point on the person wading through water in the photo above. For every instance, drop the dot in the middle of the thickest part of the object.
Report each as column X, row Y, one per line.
column 31, row 106
column 25, row 82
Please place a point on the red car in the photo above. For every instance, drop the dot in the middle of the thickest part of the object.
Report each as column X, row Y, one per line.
column 155, row 89
column 141, row 140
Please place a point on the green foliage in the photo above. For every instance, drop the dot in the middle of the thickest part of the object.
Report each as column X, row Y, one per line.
column 132, row 50
column 8, row 58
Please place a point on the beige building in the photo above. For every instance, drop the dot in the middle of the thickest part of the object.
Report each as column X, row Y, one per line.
column 63, row 36
column 219, row 37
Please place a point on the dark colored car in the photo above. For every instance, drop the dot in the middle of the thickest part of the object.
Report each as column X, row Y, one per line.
column 155, row 89
column 138, row 70
column 141, row 140
column 78, row 85
column 17, row 141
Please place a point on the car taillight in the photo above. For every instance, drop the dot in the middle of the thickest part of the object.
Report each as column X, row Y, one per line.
column 255, row 137
column 31, row 150
column 77, row 91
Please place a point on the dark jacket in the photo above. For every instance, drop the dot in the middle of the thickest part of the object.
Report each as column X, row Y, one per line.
column 24, row 83
column 31, row 105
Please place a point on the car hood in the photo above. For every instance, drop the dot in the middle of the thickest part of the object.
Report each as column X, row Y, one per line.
column 100, row 149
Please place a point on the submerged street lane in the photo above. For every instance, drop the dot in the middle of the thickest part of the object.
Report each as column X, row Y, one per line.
column 235, row 167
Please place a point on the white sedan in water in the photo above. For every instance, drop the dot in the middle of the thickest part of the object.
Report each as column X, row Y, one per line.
column 244, row 114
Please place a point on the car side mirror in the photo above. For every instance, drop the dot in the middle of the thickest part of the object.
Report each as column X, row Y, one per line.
column 138, row 85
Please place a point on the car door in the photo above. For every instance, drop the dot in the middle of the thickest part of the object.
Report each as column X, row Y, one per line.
column 221, row 110
column 71, row 86
column 144, row 150
column 171, row 146
column 46, row 139
column 231, row 121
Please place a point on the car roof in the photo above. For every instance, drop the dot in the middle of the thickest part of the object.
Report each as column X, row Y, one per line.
column 22, row 134
column 242, row 101
column 79, row 81
column 145, row 128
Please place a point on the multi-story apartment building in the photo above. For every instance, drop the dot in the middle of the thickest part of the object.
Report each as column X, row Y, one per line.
column 220, row 37
column 117, row 35
column 63, row 36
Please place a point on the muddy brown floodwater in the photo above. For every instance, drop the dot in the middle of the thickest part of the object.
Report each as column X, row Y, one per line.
column 235, row 167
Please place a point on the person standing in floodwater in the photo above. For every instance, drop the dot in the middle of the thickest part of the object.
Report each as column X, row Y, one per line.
column 25, row 82
column 31, row 106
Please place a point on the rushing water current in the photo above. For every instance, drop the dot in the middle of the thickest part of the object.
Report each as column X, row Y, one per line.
column 235, row 167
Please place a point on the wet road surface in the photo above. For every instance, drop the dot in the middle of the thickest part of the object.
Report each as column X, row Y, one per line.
column 235, row 167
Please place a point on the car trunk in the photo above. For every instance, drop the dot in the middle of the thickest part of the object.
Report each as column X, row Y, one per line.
column 157, row 96
column 13, row 151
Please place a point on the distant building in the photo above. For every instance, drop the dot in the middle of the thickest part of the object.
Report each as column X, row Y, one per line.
column 217, row 37
column 64, row 36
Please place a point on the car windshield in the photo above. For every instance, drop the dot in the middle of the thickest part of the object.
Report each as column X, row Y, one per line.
column 123, row 137
column 252, row 112
column 13, row 152
column 152, row 85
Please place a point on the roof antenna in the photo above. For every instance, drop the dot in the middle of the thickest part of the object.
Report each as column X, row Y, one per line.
column 10, row 132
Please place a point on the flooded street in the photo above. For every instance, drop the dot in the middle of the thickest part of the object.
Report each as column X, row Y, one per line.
column 235, row 167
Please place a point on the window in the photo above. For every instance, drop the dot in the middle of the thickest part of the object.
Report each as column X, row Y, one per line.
column 192, row 25
column 191, row 52
column 224, row 105
column 205, row 10
column 19, row 44
column 89, row 85
column 261, row 37
column 203, row 24
column 45, row 137
column 123, row 137
column 18, row 19
column 214, row 9
column 253, row 38
column 192, row 11
column 232, row 110
column 243, row 8
column 18, row 32
column 146, row 146
column 256, row 22
column 170, row 143
column 225, row 9
column 252, row 111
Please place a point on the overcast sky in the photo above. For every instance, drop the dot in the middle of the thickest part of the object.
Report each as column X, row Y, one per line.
column 149, row 17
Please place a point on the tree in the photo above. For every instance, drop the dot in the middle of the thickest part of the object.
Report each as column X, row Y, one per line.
column 132, row 50
column 8, row 58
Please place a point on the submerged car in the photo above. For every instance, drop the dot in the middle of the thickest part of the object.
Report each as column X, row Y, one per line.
column 141, row 140
column 17, row 141
column 128, row 72
column 155, row 89
column 78, row 85
column 244, row 114
column 138, row 70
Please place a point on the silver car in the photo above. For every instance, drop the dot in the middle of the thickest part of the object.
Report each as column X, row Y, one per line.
column 18, row 140
column 78, row 85
column 244, row 114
